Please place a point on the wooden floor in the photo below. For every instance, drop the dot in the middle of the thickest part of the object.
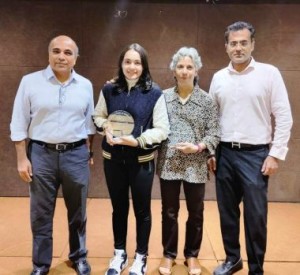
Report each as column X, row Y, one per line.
column 282, row 257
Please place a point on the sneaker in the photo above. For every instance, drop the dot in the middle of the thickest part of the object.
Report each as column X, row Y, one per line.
column 139, row 266
column 118, row 263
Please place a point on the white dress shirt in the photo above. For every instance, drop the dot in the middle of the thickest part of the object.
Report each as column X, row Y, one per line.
column 246, row 102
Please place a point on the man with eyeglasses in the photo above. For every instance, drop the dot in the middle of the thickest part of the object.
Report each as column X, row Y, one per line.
column 248, row 94
column 53, row 109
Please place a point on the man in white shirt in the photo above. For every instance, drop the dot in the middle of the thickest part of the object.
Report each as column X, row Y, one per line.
column 248, row 94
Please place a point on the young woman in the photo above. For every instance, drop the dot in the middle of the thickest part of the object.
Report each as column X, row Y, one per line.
column 129, row 158
column 182, row 159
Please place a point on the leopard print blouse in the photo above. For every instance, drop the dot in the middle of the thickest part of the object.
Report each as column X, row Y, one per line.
column 195, row 121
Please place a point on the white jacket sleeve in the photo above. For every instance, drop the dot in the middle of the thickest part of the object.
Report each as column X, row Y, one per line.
column 161, row 127
column 100, row 113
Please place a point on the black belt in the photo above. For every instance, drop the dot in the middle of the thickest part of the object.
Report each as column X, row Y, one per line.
column 243, row 146
column 60, row 147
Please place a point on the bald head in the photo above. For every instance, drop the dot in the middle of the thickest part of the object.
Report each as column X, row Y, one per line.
column 65, row 39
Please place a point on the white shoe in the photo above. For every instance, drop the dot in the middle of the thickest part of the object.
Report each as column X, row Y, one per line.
column 139, row 266
column 118, row 263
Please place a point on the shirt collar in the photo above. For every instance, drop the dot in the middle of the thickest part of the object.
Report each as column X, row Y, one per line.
column 193, row 96
column 50, row 75
column 250, row 65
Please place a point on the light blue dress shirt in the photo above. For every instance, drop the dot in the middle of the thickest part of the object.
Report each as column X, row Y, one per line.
column 52, row 112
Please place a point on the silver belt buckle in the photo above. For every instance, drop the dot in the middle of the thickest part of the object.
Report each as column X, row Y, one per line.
column 61, row 147
column 235, row 144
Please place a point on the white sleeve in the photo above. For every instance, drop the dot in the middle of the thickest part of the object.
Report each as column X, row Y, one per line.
column 161, row 126
column 283, row 118
column 100, row 113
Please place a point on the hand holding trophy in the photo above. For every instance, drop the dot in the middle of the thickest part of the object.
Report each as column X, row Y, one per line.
column 120, row 127
column 121, row 123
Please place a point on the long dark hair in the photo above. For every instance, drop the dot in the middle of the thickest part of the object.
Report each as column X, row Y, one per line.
column 145, row 80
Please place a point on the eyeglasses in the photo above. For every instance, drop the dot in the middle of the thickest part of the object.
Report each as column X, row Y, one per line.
column 243, row 43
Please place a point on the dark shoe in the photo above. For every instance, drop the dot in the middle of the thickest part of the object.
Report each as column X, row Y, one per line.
column 228, row 267
column 39, row 272
column 82, row 267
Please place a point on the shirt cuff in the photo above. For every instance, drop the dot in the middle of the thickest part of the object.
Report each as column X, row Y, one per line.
column 278, row 152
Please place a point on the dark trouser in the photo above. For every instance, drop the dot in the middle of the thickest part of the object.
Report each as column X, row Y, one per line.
column 70, row 169
column 139, row 178
column 238, row 178
column 194, row 195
